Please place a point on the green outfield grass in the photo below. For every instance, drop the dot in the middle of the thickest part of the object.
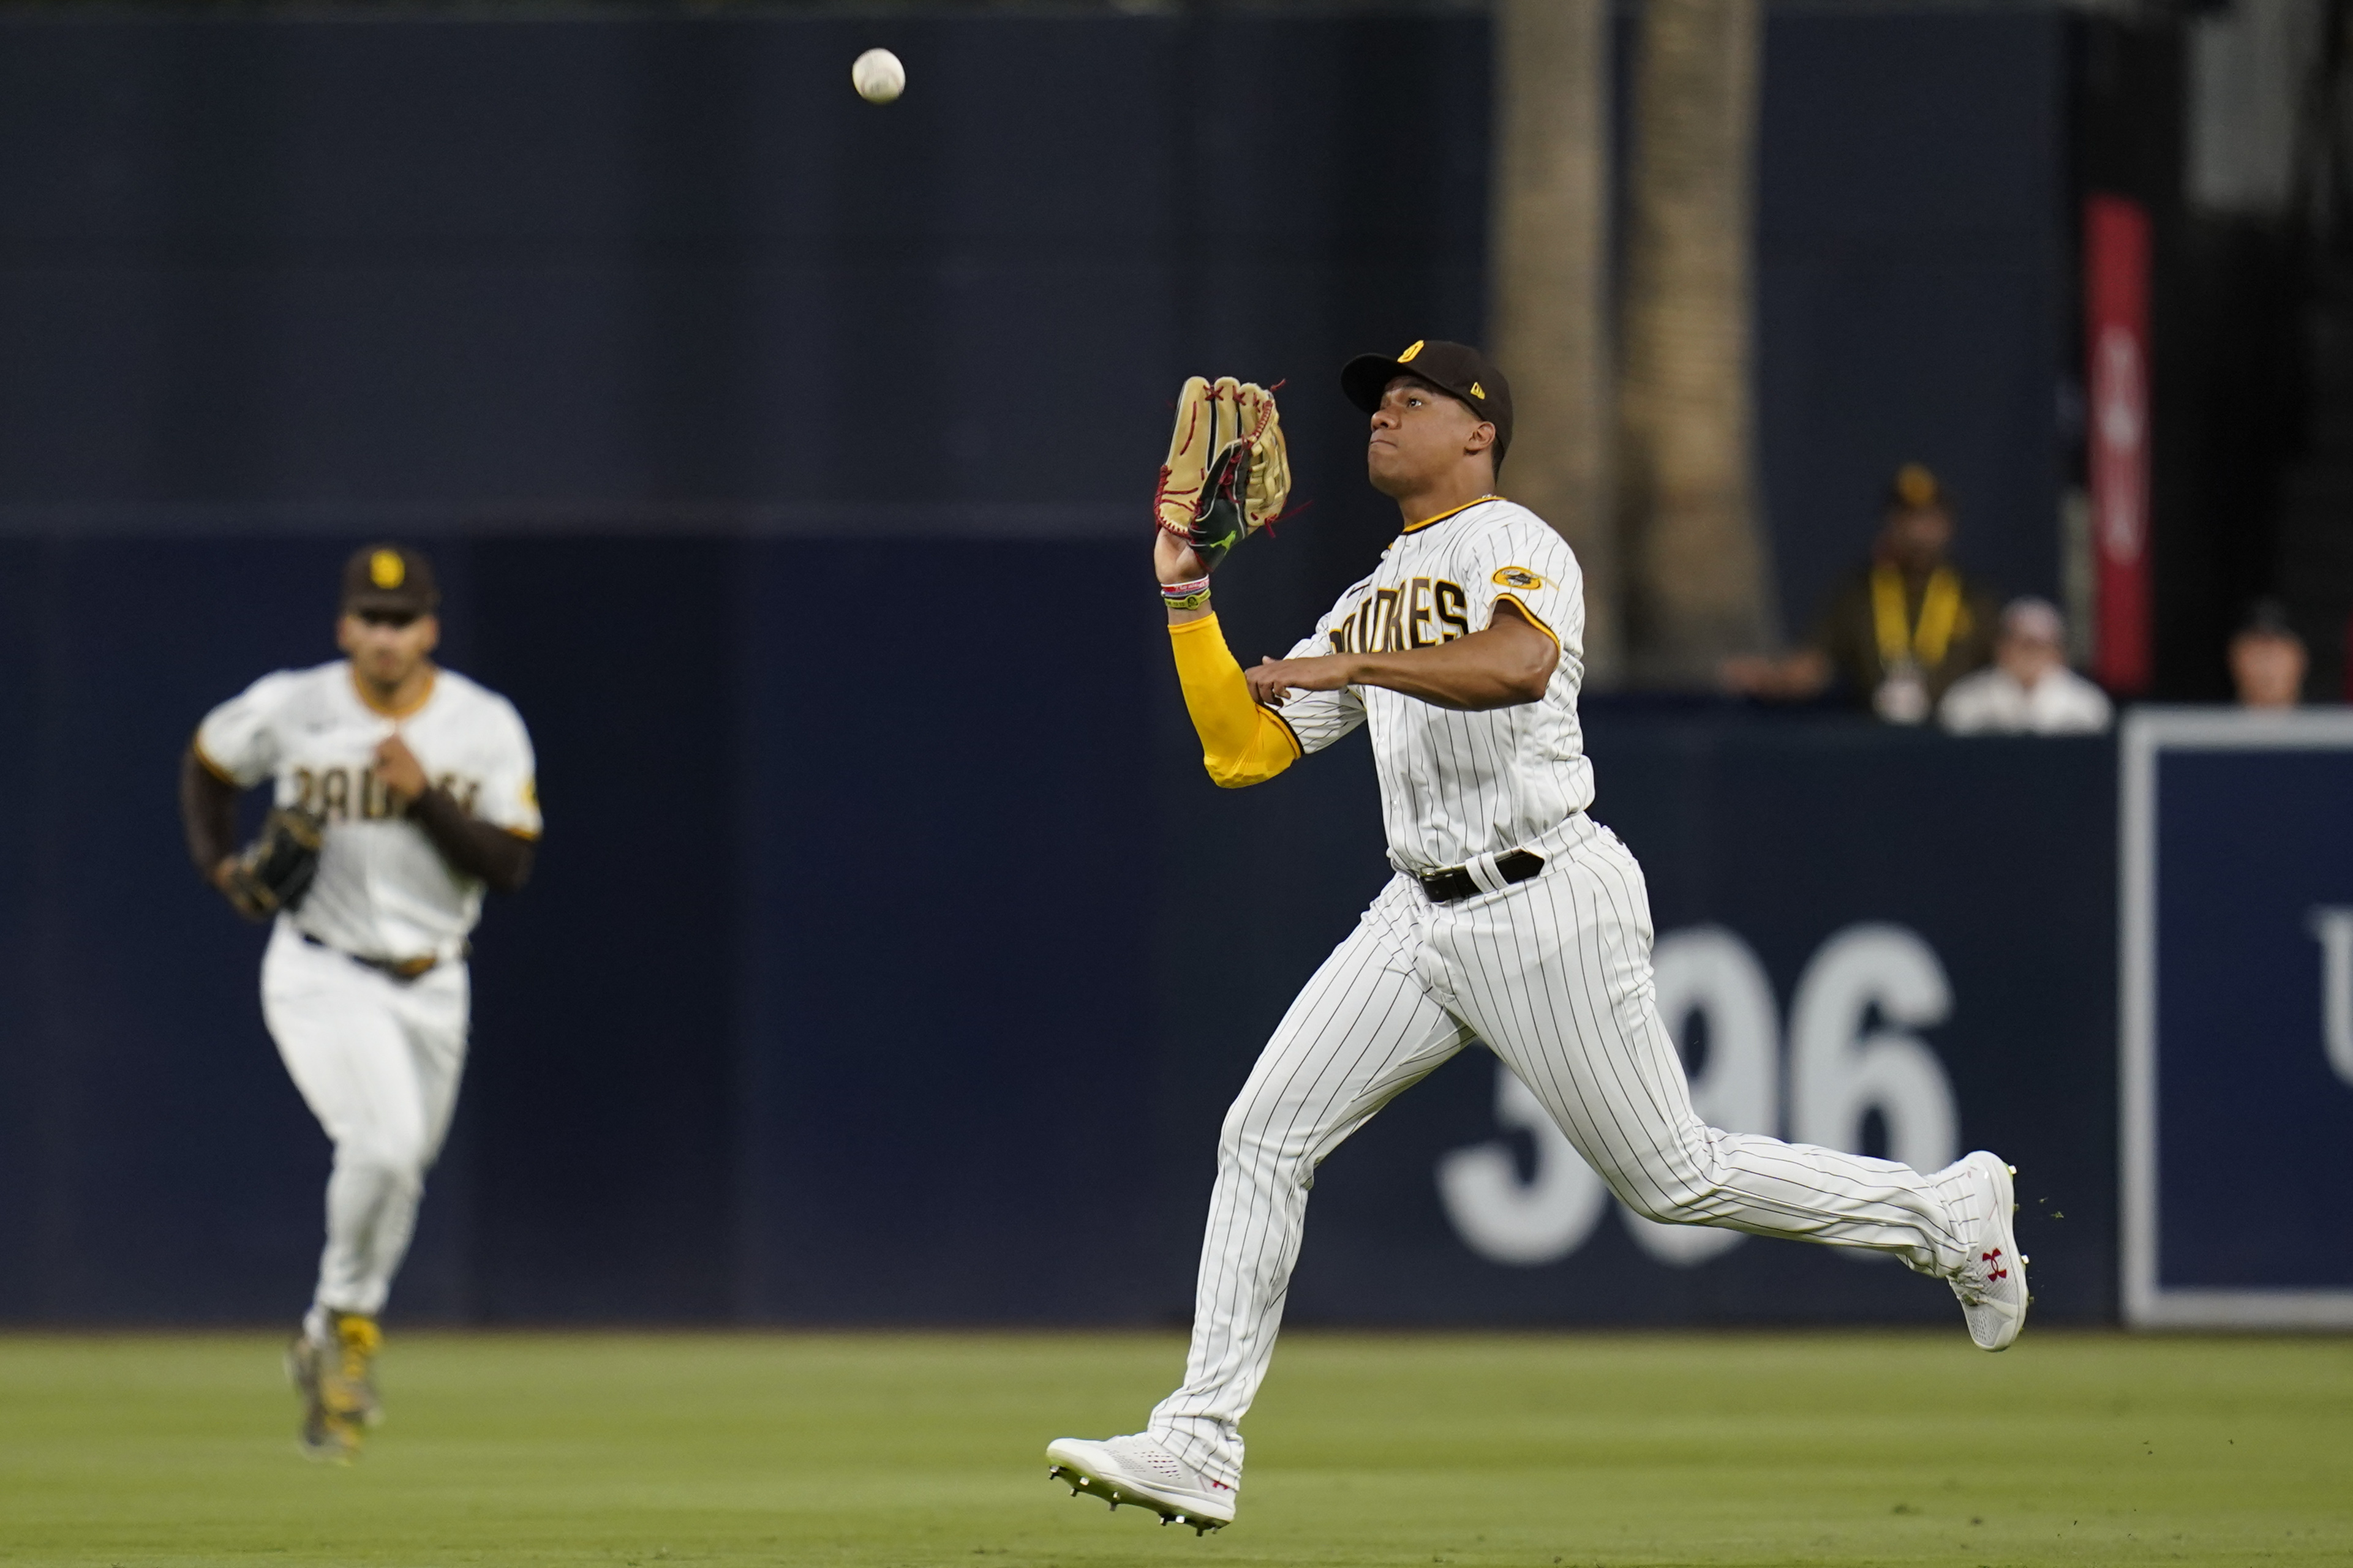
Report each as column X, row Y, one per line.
column 925, row 1449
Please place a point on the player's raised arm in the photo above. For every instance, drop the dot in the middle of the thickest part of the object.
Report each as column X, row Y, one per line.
column 1226, row 474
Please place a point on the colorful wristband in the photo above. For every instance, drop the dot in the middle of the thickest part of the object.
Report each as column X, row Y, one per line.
column 1186, row 596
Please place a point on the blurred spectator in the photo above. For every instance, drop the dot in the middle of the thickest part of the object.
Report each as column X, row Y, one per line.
column 2030, row 690
column 2267, row 658
column 1899, row 630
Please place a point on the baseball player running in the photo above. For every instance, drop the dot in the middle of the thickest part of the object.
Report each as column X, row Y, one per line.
column 402, row 791
column 1512, row 919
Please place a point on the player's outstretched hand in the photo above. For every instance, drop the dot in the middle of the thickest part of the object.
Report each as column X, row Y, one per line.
column 1275, row 677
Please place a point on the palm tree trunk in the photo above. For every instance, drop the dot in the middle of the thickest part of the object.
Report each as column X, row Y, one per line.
column 1549, row 282
column 1687, row 489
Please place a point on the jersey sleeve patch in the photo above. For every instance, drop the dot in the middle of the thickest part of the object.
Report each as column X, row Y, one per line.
column 1518, row 577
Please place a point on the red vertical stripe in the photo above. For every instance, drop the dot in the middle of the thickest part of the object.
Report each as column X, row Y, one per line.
column 2116, row 373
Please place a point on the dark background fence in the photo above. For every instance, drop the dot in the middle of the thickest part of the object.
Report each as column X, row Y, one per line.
column 885, row 920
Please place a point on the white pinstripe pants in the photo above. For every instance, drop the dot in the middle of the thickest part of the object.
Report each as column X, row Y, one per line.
column 1554, row 975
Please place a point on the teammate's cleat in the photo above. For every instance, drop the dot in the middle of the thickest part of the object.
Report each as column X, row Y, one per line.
column 358, row 1339
column 1139, row 1470
column 1991, row 1282
column 330, row 1429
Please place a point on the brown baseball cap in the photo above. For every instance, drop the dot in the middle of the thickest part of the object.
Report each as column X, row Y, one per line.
column 1457, row 370
column 389, row 579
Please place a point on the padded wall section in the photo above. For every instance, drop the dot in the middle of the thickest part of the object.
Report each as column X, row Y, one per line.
column 950, row 884
column 601, row 1095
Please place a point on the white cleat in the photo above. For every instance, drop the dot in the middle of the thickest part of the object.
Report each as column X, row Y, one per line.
column 1991, row 1282
column 1140, row 1471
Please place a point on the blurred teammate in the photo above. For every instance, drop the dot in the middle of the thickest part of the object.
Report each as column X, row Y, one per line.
column 2029, row 691
column 424, row 782
column 1514, row 919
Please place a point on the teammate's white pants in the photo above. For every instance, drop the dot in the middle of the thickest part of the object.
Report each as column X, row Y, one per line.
column 378, row 1061
column 1554, row 974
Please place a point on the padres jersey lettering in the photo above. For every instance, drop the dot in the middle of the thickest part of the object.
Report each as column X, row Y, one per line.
column 383, row 890
column 1456, row 785
column 336, row 795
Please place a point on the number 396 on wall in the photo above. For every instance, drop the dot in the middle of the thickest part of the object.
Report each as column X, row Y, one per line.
column 1853, row 1051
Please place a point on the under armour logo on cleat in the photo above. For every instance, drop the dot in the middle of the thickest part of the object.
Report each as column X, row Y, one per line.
column 1988, row 1258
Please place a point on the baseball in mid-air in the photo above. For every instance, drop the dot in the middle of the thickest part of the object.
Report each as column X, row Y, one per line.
column 878, row 75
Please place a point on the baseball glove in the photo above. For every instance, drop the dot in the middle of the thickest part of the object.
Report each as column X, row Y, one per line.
column 1229, row 469
column 277, row 867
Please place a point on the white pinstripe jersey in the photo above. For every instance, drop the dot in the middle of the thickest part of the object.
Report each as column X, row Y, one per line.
column 1457, row 786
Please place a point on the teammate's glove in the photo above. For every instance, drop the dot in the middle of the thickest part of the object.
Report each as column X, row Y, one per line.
column 1228, row 468
column 277, row 867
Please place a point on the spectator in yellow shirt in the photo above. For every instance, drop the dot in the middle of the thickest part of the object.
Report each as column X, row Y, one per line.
column 1897, row 630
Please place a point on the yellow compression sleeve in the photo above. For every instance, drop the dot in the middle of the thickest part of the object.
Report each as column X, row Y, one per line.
column 1243, row 741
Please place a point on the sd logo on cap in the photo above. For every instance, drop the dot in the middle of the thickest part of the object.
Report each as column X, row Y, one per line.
column 389, row 580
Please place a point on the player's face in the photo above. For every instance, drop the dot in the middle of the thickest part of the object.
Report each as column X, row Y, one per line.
column 1420, row 435
column 387, row 648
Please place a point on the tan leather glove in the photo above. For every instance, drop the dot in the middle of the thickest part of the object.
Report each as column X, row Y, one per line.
column 1229, row 469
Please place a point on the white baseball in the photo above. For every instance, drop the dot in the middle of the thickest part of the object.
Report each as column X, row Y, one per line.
column 878, row 75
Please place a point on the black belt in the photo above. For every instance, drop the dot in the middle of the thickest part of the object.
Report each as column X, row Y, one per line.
column 401, row 969
column 1456, row 882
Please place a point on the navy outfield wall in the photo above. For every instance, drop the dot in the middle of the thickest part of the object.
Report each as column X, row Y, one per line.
column 867, row 959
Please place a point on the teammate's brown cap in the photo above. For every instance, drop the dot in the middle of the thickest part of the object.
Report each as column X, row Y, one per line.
column 390, row 579
column 1459, row 370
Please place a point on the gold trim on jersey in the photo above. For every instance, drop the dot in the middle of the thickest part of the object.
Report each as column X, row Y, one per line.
column 432, row 678
column 1533, row 618
column 196, row 747
column 1441, row 517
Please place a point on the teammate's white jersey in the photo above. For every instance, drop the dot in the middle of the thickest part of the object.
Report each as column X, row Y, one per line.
column 383, row 890
column 1457, row 786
